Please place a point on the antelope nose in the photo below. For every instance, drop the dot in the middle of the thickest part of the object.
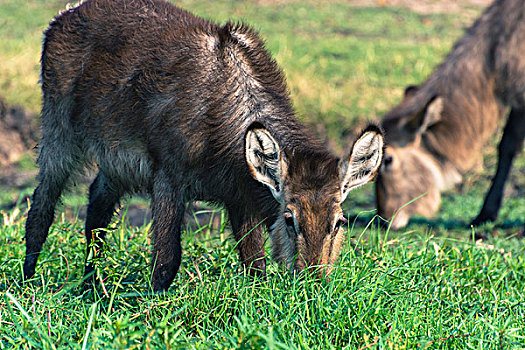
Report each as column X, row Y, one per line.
column 323, row 273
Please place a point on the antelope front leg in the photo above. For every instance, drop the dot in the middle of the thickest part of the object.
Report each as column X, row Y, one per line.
column 103, row 197
column 510, row 144
column 250, row 242
column 167, row 211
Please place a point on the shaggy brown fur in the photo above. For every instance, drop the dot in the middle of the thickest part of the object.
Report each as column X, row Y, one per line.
column 162, row 101
column 438, row 131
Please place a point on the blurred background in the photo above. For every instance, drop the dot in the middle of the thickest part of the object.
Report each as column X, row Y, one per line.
column 346, row 62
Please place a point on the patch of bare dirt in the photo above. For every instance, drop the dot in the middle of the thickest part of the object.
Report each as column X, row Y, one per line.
column 426, row 6
column 198, row 215
column 17, row 133
column 420, row 6
column 17, row 136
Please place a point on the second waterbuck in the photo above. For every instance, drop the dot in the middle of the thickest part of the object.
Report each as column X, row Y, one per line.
column 159, row 100
column 438, row 131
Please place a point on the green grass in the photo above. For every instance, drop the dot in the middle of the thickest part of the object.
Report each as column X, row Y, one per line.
column 403, row 292
column 428, row 286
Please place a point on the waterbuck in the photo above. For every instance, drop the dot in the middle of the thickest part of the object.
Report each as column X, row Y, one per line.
column 438, row 131
column 162, row 101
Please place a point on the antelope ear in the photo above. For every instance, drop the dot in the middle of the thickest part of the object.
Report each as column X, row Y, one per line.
column 430, row 115
column 265, row 160
column 411, row 90
column 433, row 113
column 364, row 160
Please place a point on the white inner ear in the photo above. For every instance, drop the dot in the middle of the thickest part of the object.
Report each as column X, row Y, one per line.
column 362, row 163
column 433, row 114
column 265, row 160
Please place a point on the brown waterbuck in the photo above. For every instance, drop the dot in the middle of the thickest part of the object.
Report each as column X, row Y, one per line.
column 438, row 131
column 159, row 100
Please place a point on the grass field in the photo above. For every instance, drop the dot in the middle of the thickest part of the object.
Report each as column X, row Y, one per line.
column 428, row 286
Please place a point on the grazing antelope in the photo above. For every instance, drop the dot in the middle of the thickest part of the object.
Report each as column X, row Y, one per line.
column 438, row 131
column 163, row 101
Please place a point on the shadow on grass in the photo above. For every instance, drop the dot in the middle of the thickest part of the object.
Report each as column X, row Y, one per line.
column 443, row 224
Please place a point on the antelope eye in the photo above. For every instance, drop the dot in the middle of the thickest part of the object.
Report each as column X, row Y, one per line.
column 288, row 219
column 340, row 223
column 388, row 160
